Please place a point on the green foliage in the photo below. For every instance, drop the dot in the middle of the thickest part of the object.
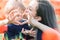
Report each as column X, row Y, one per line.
column 6, row 37
column 21, row 36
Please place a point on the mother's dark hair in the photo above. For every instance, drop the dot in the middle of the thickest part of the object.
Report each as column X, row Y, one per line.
column 46, row 11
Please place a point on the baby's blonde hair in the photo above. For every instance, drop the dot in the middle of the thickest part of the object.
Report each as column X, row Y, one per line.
column 12, row 4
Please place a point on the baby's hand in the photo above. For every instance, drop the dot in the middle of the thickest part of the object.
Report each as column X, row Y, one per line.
column 30, row 32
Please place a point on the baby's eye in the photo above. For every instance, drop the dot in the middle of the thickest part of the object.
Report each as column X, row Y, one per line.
column 18, row 15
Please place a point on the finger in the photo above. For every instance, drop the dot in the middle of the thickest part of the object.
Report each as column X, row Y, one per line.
column 22, row 29
column 34, row 32
column 31, row 29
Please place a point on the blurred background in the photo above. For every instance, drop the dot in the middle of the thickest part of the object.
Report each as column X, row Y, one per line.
column 55, row 4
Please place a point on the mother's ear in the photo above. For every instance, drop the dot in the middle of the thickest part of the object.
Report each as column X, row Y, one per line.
column 38, row 18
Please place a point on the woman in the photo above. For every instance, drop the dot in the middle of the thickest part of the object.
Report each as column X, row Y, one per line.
column 46, row 14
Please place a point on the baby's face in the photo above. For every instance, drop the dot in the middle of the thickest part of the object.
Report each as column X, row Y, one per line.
column 17, row 13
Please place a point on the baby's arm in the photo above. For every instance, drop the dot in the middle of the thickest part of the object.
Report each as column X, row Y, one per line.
column 3, row 22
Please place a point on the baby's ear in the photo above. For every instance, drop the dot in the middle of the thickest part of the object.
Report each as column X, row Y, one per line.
column 40, row 18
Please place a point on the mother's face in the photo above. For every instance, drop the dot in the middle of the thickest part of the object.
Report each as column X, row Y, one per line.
column 33, row 12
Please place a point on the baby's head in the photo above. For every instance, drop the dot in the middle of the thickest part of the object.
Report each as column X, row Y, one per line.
column 17, row 13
